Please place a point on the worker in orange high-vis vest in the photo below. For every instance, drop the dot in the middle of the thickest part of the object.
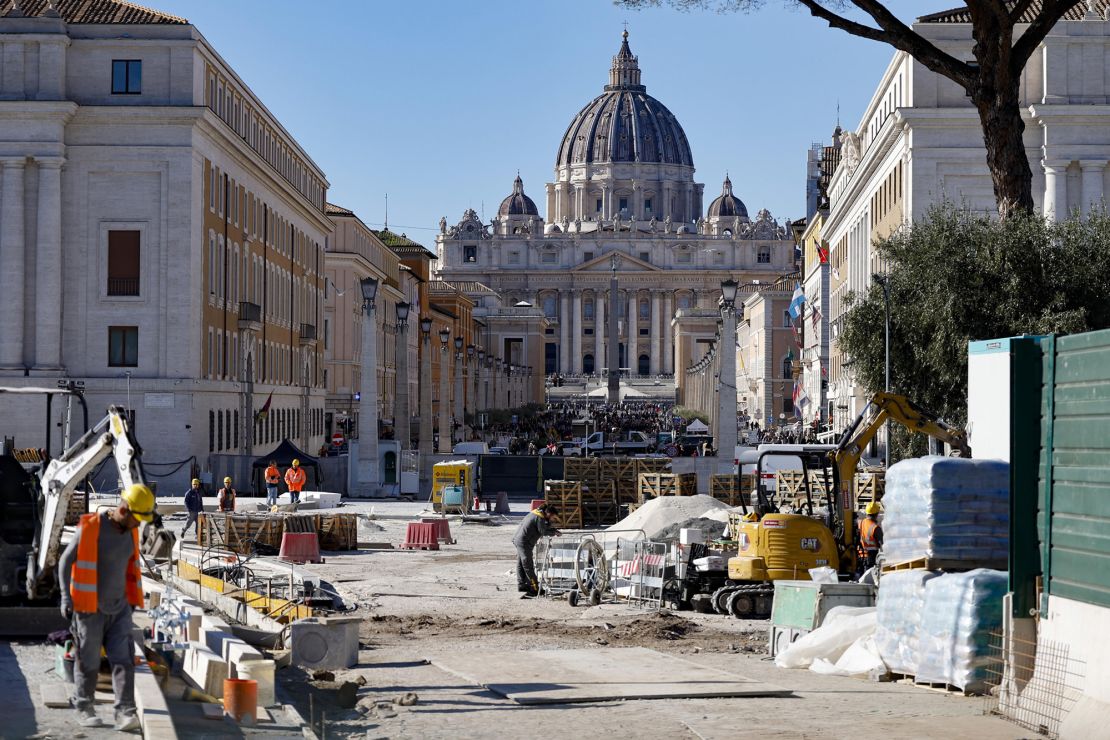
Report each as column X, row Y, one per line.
column 870, row 537
column 101, row 583
column 273, row 478
column 295, row 479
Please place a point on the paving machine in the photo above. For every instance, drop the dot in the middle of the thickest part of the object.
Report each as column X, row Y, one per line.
column 35, row 505
column 773, row 544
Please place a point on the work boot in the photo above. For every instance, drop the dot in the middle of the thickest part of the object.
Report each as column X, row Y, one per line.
column 127, row 721
column 86, row 716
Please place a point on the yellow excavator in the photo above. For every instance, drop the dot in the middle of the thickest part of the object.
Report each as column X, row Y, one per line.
column 773, row 545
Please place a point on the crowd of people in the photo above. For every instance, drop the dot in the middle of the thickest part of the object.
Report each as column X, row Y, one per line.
column 544, row 429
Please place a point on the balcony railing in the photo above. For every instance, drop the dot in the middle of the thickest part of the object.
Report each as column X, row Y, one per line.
column 123, row 286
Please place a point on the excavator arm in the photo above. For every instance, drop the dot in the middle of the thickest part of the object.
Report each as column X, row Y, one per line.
column 111, row 437
column 845, row 458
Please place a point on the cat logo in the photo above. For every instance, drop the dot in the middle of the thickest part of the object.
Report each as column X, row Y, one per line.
column 810, row 543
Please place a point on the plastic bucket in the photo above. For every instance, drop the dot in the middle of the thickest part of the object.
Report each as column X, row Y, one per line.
column 241, row 700
column 261, row 671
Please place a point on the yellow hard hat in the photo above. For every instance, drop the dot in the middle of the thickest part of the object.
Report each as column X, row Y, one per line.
column 296, row 463
column 874, row 508
column 196, row 481
column 140, row 500
column 227, row 479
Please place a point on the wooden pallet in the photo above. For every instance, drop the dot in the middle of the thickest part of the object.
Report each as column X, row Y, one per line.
column 580, row 469
column 723, row 488
column 910, row 680
column 622, row 473
column 870, row 486
column 948, row 566
column 241, row 532
column 653, row 485
column 652, row 464
column 600, row 507
column 565, row 497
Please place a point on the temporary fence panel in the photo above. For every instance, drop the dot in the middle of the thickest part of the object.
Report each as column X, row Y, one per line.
column 516, row 475
column 638, row 571
column 556, row 557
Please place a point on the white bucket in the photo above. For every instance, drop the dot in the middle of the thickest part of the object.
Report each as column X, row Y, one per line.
column 262, row 672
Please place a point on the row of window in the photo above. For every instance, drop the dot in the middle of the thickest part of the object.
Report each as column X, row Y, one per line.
column 276, row 425
column 280, row 363
column 248, row 122
column 762, row 256
column 887, row 196
column 255, row 217
column 285, row 298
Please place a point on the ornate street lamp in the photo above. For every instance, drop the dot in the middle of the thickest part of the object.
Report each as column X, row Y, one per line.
column 401, row 379
column 444, row 416
column 367, row 471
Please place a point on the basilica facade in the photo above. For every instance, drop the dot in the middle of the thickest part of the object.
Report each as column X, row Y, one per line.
column 624, row 202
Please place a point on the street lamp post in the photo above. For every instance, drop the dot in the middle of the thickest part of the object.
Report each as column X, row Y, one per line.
column 481, row 403
column 368, row 478
column 401, row 379
column 444, row 412
column 458, row 385
column 425, row 396
column 472, row 391
column 726, row 408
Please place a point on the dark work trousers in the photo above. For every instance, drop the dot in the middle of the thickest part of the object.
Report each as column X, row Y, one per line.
column 526, row 581
column 191, row 521
column 113, row 631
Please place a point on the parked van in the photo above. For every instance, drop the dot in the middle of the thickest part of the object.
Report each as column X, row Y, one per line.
column 471, row 448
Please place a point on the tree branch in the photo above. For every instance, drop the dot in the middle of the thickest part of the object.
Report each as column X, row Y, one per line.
column 902, row 37
column 1051, row 12
column 839, row 21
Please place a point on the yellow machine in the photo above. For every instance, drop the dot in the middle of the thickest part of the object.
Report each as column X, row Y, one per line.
column 780, row 546
column 453, row 473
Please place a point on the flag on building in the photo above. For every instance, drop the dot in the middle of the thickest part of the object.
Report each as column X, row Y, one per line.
column 265, row 410
column 797, row 336
column 816, row 318
column 797, row 301
column 823, row 254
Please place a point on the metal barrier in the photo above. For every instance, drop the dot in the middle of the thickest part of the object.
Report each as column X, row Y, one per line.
column 556, row 557
column 638, row 572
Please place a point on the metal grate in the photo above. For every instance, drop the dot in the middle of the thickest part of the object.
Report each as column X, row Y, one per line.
column 1033, row 684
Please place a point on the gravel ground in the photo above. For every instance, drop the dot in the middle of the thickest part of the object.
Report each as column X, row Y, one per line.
column 422, row 604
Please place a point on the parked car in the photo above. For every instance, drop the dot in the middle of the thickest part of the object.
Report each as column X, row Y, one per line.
column 570, row 449
column 499, row 450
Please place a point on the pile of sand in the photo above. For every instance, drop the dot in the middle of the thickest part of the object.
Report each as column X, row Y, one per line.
column 661, row 513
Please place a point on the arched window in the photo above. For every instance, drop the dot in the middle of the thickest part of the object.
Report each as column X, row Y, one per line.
column 684, row 300
column 588, row 364
column 549, row 306
column 643, row 365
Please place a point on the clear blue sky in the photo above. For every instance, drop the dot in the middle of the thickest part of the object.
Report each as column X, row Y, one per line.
column 439, row 103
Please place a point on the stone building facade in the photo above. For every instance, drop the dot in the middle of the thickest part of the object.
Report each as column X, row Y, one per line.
column 161, row 236
column 623, row 200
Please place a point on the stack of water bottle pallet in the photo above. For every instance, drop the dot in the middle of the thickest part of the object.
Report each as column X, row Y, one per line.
column 653, row 485
column 946, row 536
column 723, row 487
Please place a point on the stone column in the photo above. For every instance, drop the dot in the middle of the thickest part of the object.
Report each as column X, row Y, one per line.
column 576, row 331
column 654, row 338
column 1092, row 184
column 1055, row 190
column 668, row 333
column 632, row 331
column 12, row 262
column 565, row 353
column 48, row 267
column 599, row 331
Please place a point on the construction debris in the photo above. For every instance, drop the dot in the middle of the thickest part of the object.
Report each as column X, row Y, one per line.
column 664, row 512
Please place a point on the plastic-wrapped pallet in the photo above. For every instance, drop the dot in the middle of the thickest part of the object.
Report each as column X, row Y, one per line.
column 961, row 611
column 947, row 508
column 900, row 604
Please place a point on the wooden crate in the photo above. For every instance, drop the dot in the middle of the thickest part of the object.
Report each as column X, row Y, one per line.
column 240, row 532
column 600, row 507
column 653, row 485
column 565, row 497
column 790, row 485
column 622, row 473
column 723, row 488
column 652, row 464
column 870, row 486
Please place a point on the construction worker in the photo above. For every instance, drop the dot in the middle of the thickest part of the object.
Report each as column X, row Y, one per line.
column 294, row 479
column 101, row 583
column 273, row 478
column 870, row 536
column 194, row 505
column 534, row 526
column 225, row 499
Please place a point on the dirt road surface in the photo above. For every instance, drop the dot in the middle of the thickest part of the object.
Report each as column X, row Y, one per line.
column 420, row 605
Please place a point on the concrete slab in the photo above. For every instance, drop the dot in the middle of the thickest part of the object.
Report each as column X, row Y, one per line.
column 205, row 670
column 325, row 642
column 610, row 674
column 235, row 652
